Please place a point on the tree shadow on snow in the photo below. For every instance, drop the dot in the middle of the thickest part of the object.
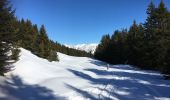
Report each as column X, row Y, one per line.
column 82, row 92
column 88, row 77
column 15, row 89
column 128, row 73
column 98, row 63
column 126, row 85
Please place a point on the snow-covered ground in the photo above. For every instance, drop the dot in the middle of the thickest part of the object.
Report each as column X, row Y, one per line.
column 85, row 47
column 79, row 78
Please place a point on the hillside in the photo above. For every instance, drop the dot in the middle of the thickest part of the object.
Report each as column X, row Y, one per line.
column 79, row 78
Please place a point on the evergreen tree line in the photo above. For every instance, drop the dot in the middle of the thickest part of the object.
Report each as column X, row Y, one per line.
column 37, row 41
column 34, row 39
column 16, row 33
column 146, row 45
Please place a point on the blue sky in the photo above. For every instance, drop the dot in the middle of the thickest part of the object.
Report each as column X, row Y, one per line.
column 82, row 21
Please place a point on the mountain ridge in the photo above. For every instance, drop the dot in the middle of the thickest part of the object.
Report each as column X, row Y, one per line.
column 85, row 47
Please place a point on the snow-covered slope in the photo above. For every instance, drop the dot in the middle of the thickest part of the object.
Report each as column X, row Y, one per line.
column 79, row 78
column 84, row 47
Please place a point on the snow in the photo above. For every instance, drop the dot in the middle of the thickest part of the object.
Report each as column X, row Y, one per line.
column 79, row 78
column 85, row 47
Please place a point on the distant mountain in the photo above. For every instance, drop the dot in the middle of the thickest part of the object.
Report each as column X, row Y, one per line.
column 84, row 47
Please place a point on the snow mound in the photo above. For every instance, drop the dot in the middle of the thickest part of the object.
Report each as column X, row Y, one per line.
column 79, row 78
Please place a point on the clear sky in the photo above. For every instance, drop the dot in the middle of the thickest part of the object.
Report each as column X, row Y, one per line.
column 82, row 21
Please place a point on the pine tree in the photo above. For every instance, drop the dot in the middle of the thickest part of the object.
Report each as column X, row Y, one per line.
column 118, row 47
column 163, row 31
column 141, row 47
column 53, row 56
column 34, row 44
column 135, row 43
column 44, row 42
column 7, row 34
column 52, row 52
column 102, row 49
